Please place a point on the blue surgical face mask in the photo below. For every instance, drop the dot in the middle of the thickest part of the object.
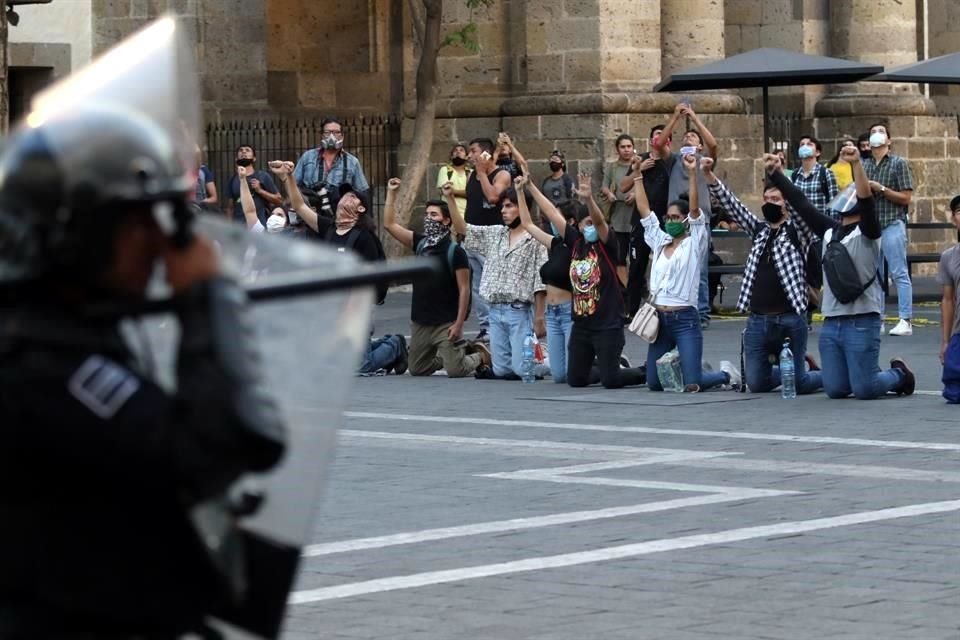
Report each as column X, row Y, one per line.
column 805, row 152
column 590, row 234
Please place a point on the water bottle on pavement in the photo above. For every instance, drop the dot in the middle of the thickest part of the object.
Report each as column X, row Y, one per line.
column 788, row 376
column 527, row 373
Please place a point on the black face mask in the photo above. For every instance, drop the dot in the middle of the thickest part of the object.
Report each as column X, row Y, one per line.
column 865, row 153
column 556, row 166
column 504, row 160
column 458, row 162
column 515, row 223
column 772, row 213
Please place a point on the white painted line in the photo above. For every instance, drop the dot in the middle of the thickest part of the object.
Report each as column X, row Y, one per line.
column 597, row 450
column 517, row 524
column 619, row 552
column 735, row 435
column 849, row 470
column 543, row 476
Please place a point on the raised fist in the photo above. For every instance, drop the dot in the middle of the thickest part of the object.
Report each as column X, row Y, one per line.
column 394, row 183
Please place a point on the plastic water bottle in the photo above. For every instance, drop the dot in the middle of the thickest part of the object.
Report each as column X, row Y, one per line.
column 527, row 373
column 788, row 376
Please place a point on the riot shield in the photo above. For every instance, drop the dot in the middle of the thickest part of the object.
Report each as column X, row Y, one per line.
column 311, row 346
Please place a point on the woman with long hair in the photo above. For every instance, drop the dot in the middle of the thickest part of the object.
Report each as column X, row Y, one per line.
column 674, row 281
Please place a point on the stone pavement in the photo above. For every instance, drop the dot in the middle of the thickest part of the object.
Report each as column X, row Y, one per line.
column 498, row 510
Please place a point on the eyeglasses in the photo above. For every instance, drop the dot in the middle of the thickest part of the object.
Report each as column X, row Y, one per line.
column 331, row 132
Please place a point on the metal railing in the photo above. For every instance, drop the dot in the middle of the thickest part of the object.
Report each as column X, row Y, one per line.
column 374, row 140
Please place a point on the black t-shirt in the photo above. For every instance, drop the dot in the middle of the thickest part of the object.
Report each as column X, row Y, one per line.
column 263, row 208
column 479, row 211
column 436, row 300
column 365, row 245
column 768, row 294
column 597, row 294
column 556, row 270
column 656, row 182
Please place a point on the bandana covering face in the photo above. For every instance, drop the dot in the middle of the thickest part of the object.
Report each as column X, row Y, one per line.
column 434, row 232
column 348, row 212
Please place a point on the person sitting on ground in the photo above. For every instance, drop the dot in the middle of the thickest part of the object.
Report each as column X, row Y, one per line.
column 350, row 230
column 555, row 274
column 774, row 289
column 440, row 304
column 675, row 283
column 510, row 284
column 948, row 275
column 598, row 308
column 852, row 295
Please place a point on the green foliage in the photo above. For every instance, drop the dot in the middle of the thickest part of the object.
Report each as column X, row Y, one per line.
column 466, row 37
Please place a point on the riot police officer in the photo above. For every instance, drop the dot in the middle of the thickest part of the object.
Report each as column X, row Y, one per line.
column 102, row 472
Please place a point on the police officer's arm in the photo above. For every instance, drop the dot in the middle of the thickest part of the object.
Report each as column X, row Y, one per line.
column 403, row 235
column 541, row 236
column 585, row 191
column 246, row 199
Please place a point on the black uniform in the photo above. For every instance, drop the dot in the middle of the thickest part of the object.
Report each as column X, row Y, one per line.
column 100, row 468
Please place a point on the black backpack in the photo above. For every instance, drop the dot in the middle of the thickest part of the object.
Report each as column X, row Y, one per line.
column 352, row 238
column 841, row 272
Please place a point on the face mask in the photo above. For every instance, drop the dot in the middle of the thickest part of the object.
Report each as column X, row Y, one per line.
column 504, row 160
column 275, row 224
column 805, row 152
column 458, row 162
column 865, row 153
column 515, row 223
column 675, row 228
column 348, row 213
column 332, row 142
column 772, row 213
column 878, row 139
column 556, row 166
column 590, row 234
column 434, row 232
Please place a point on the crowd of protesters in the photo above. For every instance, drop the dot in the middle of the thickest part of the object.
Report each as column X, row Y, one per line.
column 549, row 261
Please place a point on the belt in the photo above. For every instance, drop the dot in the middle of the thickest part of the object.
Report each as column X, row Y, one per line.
column 772, row 313
column 666, row 309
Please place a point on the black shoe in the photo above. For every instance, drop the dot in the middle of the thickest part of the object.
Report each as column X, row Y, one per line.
column 909, row 380
column 400, row 366
column 482, row 336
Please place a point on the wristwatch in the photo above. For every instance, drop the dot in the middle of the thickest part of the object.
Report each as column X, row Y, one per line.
column 882, row 189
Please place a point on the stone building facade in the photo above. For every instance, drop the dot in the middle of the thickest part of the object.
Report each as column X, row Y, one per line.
column 573, row 74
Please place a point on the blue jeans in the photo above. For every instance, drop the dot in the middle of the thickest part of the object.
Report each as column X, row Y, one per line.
column 381, row 353
column 681, row 329
column 850, row 350
column 480, row 306
column 559, row 325
column 893, row 246
column 510, row 324
column 760, row 374
column 951, row 371
column 703, row 294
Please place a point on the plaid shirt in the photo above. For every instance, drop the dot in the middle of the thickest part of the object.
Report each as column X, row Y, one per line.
column 893, row 172
column 511, row 274
column 820, row 187
column 789, row 262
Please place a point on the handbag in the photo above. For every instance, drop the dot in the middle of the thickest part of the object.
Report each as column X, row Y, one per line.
column 646, row 322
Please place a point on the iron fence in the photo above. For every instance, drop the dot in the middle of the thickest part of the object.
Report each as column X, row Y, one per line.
column 785, row 132
column 374, row 140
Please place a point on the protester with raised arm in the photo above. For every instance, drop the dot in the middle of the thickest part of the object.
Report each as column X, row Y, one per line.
column 852, row 295
column 675, row 281
column 774, row 289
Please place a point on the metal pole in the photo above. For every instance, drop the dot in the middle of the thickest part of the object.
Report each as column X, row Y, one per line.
column 766, row 119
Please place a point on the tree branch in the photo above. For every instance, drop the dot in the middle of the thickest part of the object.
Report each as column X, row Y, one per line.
column 418, row 15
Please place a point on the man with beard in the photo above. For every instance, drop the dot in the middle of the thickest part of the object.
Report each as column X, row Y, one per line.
column 440, row 305
column 774, row 289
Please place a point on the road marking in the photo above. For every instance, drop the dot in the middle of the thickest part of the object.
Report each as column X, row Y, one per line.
column 734, row 435
column 618, row 552
column 596, row 450
column 520, row 524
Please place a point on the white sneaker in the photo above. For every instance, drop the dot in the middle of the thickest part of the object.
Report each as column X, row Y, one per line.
column 727, row 367
column 903, row 328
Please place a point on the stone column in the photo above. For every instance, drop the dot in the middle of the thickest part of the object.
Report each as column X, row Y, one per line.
column 691, row 33
column 878, row 32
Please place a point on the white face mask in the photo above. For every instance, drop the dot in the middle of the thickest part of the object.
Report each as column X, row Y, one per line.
column 275, row 224
column 878, row 139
